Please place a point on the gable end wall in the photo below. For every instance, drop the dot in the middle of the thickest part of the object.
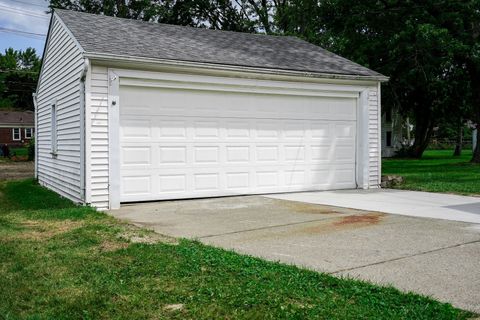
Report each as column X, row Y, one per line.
column 60, row 82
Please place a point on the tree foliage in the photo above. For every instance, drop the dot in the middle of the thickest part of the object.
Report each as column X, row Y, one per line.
column 215, row 14
column 18, row 78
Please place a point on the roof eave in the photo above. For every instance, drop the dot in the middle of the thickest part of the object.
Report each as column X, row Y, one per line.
column 181, row 63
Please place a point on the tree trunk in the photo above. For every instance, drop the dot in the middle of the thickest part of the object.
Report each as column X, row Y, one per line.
column 423, row 133
column 476, row 152
column 474, row 73
column 458, row 147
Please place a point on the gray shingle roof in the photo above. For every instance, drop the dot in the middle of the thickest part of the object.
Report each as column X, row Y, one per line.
column 132, row 38
column 16, row 118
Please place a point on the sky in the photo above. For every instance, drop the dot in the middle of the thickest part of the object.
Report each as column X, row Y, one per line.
column 23, row 24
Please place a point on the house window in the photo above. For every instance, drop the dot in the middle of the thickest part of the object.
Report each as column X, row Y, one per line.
column 28, row 133
column 16, row 134
column 388, row 116
column 54, row 128
column 389, row 139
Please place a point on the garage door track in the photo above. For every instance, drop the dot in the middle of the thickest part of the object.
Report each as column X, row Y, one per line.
column 434, row 257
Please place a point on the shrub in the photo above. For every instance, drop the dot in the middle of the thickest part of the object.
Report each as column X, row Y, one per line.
column 31, row 150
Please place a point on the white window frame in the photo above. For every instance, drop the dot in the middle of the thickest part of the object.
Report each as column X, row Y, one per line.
column 19, row 132
column 28, row 133
column 53, row 128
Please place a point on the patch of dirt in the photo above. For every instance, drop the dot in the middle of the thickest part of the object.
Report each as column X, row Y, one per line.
column 138, row 235
column 343, row 223
column 10, row 170
column 109, row 246
column 173, row 307
column 368, row 219
column 40, row 230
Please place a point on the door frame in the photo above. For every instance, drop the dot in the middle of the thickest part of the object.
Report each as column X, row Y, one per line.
column 356, row 89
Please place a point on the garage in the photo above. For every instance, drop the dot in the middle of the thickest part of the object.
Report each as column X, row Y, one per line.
column 131, row 111
column 183, row 143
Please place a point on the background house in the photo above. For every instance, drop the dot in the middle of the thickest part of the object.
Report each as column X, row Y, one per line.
column 396, row 132
column 16, row 127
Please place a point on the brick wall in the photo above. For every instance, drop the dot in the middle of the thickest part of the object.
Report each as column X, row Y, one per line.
column 6, row 136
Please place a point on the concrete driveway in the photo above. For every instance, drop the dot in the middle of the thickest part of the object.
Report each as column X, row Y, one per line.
column 410, row 203
column 434, row 257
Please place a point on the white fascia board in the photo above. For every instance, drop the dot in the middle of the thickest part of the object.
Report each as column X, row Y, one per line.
column 112, row 58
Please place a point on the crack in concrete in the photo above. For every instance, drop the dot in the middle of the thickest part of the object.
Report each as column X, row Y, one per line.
column 404, row 257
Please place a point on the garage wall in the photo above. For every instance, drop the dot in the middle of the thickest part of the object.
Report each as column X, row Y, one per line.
column 97, row 103
column 60, row 82
column 97, row 100
column 374, row 138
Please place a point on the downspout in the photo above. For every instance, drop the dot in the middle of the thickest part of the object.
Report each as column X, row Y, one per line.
column 83, row 76
column 35, row 134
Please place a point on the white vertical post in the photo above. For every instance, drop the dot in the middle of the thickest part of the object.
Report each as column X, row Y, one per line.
column 362, row 167
column 379, row 115
column 88, row 135
column 113, row 140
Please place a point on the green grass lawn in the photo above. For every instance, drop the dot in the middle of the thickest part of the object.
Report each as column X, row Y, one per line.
column 437, row 171
column 20, row 152
column 60, row 261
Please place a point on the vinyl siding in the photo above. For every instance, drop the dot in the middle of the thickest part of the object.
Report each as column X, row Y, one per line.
column 98, row 158
column 60, row 82
column 374, row 138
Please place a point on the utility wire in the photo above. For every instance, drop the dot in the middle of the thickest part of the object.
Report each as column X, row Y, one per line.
column 33, row 35
column 28, row 3
column 23, row 12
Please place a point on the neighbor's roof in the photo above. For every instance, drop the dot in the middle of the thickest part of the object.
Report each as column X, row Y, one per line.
column 99, row 34
column 16, row 118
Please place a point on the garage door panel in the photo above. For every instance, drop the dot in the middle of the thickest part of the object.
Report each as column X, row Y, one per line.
column 205, row 184
column 171, row 152
column 136, row 185
column 136, row 156
column 197, row 103
column 205, row 154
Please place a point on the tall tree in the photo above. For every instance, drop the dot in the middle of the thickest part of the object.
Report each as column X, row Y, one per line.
column 406, row 40
column 467, row 28
column 18, row 78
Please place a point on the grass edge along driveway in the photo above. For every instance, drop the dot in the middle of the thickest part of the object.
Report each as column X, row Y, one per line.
column 62, row 261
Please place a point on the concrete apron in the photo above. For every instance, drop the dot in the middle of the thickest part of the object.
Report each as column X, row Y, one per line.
column 433, row 257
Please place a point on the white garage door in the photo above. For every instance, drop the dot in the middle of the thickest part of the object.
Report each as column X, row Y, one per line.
column 190, row 143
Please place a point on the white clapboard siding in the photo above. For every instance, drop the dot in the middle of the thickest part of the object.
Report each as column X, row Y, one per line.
column 98, row 157
column 374, row 138
column 60, row 82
